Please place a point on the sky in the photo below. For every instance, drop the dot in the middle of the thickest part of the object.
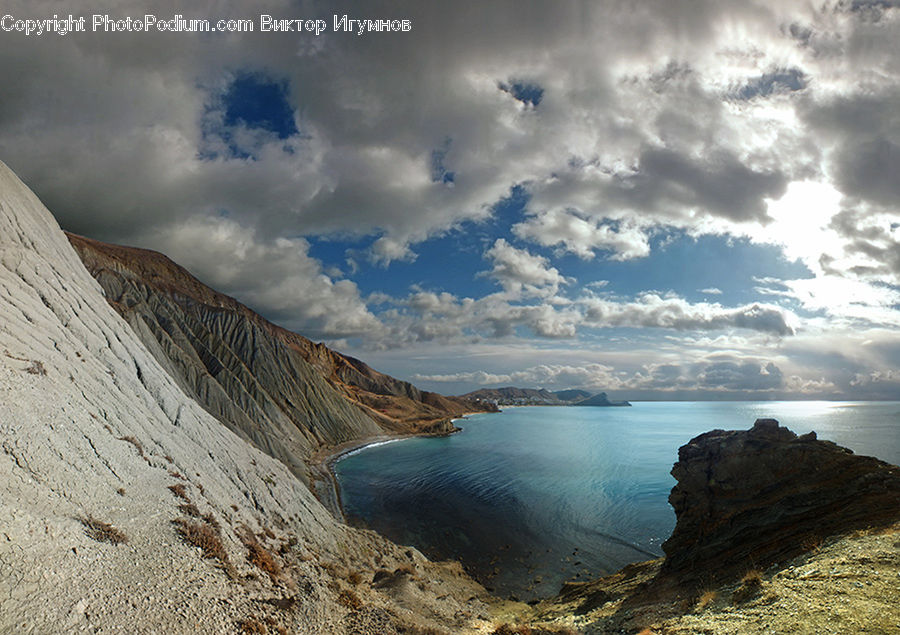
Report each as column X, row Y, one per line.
column 670, row 199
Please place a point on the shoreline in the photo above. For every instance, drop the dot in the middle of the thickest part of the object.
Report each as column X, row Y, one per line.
column 324, row 482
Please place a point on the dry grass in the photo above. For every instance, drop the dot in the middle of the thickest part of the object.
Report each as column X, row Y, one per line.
column 189, row 509
column 36, row 368
column 204, row 536
column 178, row 475
column 752, row 578
column 355, row 578
column 812, row 542
column 103, row 532
column 350, row 600
column 253, row 626
column 179, row 490
column 751, row 584
column 210, row 520
column 258, row 555
column 136, row 444
column 510, row 629
column 706, row 598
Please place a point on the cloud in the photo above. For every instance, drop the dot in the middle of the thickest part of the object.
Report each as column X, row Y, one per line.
column 653, row 310
column 522, row 273
column 581, row 236
column 277, row 278
column 733, row 118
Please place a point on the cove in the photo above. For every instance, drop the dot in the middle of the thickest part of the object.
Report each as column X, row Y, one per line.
column 531, row 497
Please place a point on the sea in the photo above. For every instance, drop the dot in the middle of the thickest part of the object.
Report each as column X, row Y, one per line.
column 531, row 497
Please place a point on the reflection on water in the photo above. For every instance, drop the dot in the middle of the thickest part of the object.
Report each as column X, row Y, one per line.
column 531, row 497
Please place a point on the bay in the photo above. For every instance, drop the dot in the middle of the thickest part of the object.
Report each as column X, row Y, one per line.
column 531, row 497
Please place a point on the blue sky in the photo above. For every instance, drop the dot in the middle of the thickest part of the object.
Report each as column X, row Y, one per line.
column 666, row 199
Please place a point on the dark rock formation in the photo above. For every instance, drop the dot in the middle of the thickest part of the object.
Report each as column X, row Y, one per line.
column 286, row 394
column 600, row 399
column 748, row 499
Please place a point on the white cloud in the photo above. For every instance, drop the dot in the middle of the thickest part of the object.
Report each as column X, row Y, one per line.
column 584, row 237
column 653, row 310
column 522, row 273
column 277, row 278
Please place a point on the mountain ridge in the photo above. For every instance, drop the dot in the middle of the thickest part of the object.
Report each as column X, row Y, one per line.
column 286, row 394
column 513, row 396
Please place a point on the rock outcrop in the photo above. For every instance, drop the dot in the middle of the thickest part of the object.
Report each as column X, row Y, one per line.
column 600, row 400
column 747, row 499
column 284, row 393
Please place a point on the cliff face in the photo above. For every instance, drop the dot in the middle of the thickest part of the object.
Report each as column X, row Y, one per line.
column 755, row 497
column 124, row 505
column 775, row 533
column 287, row 395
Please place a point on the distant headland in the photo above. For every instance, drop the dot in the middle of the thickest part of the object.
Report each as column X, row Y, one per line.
column 511, row 396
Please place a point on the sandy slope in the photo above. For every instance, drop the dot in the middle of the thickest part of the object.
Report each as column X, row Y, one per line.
column 91, row 426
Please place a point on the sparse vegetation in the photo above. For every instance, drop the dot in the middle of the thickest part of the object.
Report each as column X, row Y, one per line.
column 812, row 542
column 136, row 444
column 189, row 509
column 706, row 598
column 253, row 626
column 751, row 584
column 258, row 555
column 199, row 534
column 178, row 475
column 510, row 629
column 36, row 368
column 102, row 531
column 179, row 490
column 210, row 520
column 350, row 600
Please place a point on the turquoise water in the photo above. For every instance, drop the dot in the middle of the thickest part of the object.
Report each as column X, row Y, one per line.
column 531, row 497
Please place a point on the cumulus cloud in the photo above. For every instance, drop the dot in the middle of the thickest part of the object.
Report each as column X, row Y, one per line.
column 616, row 121
column 277, row 278
column 584, row 237
column 522, row 273
column 653, row 310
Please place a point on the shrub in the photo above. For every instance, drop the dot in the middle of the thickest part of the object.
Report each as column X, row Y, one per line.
column 259, row 556
column 751, row 583
column 706, row 598
column 189, row 509
column 204, row 536
column 102, row 532
column 179, row 490
column 253, row 626
column 350, row 600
